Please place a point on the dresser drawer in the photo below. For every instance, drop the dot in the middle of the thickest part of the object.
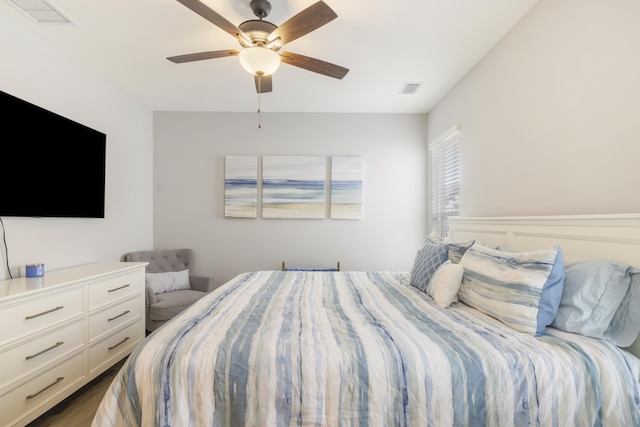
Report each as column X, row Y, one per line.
column 110, row 350
column 41, row 390
column 111, row 318
column 34, row 314
column 26, row 358
column 113, row 288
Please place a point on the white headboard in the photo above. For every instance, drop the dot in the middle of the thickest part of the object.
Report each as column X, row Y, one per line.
column 581, row 237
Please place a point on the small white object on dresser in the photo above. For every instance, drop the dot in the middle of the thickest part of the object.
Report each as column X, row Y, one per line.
column 60, row 331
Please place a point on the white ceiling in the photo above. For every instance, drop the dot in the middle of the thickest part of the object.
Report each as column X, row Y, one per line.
column 384, row 44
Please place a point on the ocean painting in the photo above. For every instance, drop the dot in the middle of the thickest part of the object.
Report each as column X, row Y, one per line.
column 240, row 186
column 346, row 187
column 293, row 186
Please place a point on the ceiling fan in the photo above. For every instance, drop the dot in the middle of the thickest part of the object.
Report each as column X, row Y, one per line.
column 261, row 40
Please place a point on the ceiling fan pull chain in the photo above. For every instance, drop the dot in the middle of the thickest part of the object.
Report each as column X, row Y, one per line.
column 259, row 103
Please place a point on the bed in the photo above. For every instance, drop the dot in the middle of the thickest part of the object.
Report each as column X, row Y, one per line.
column 375, row 348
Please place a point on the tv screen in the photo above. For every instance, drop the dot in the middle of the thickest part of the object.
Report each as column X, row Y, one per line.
column 52, row 166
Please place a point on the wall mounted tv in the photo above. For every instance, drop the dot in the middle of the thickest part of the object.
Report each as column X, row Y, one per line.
column 52, row 166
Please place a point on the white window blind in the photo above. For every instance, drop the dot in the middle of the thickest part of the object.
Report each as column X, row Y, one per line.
column 445, row 180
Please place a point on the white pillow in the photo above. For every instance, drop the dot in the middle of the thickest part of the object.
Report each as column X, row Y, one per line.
column 167, row 282
column 444, row 284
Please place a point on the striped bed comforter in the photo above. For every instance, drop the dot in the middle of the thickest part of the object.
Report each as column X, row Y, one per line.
column 274, row 348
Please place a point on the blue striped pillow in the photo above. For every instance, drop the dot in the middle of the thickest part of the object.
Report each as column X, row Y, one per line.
column 456, row 249
column 521, row 289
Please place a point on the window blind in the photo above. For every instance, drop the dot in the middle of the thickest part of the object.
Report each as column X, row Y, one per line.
column 445, row 180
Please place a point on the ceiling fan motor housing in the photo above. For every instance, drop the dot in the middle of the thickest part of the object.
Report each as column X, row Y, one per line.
column 260, row 8
column 258, row 31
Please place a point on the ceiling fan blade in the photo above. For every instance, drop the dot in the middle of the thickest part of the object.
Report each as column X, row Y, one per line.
column 312, row 18
column 315, row 65
column 203, row 55
column 214, row 17
column 263, row 84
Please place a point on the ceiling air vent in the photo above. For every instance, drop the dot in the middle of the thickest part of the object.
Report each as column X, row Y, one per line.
column 410, row 88
column 41, row 11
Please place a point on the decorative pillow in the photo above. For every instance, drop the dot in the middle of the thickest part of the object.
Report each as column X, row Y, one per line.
column 457, row 250
column 427, row 261
column 593, row 292
column 625, row 325
column 167, row 282
column 521, row 289
column 445, row 283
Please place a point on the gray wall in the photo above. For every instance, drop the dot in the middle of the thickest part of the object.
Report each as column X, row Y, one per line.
column 549, row 117
column 31, row 70
column 189, row 150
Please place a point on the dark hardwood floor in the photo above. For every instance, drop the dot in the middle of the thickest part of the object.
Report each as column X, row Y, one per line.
column 78, row 409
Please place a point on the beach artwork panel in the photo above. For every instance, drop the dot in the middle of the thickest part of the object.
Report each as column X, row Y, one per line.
column 293, row 186
column 346, row 187
column 240, row 186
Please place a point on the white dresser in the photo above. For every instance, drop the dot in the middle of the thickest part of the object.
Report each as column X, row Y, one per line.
column 60, row 331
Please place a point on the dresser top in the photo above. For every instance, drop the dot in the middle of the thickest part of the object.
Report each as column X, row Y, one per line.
column 23, row 285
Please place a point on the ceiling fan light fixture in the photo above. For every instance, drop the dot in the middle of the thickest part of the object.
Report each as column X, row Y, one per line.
column 259, row 60
column 262, row 40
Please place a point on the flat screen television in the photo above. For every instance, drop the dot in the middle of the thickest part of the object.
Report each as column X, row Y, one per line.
column 51, row 166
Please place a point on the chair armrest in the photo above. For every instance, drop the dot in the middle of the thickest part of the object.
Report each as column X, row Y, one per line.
column 150, row 296
column 201, row 283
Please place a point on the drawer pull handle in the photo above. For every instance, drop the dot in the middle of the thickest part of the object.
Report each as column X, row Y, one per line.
column 33, row 316
column 121, row 342
column 31, row 396
column 58, row 344
column 119, row 315
column 117, row 289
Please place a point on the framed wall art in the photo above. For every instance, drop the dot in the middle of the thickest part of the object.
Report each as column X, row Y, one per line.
column 346, row 187
column 240, row 186
column 293, row 186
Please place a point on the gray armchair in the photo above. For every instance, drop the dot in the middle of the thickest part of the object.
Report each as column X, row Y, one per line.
column 162, row 307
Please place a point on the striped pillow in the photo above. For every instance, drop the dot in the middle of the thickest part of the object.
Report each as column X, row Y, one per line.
column 521, row 289
column 456, row 249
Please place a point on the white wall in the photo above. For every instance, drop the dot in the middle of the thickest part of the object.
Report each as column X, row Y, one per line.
column 189, row 150
column 35, row 72
column 549, row 117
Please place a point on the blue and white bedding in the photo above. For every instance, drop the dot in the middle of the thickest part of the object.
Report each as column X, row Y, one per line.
column 275, row 348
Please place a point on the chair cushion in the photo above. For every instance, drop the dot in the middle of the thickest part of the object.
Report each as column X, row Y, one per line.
column 171, row 303
column 168, row 281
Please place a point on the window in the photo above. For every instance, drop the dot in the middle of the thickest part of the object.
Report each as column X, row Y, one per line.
column 445, row 180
